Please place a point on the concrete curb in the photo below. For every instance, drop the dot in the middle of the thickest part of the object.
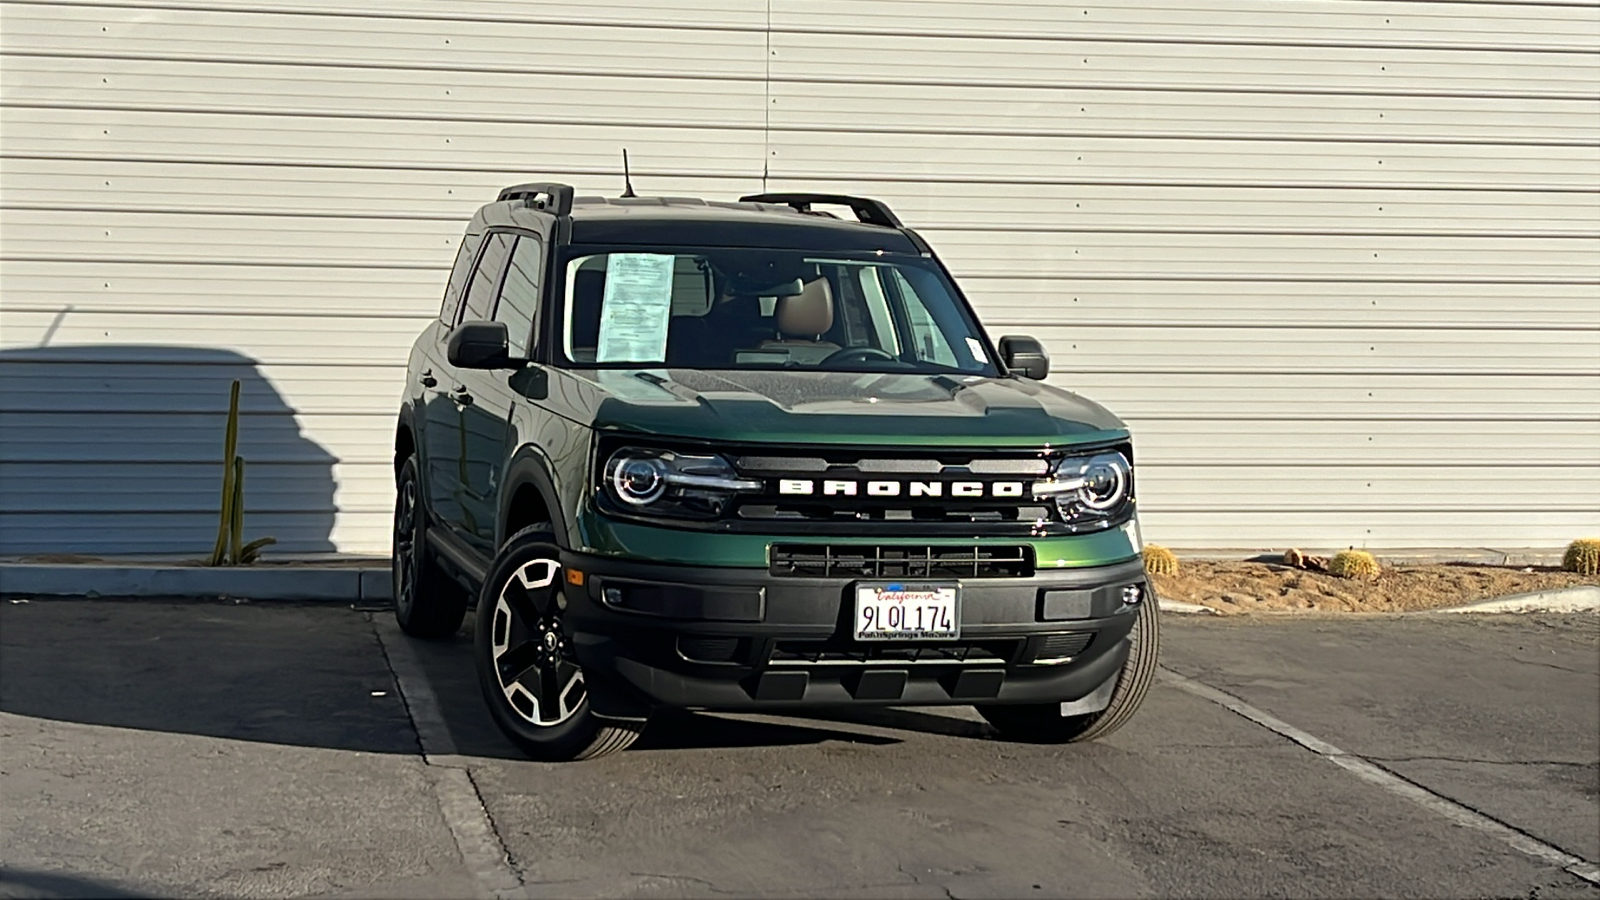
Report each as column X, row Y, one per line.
column 1585, row 598
column 1186, row 609
column 279, row 582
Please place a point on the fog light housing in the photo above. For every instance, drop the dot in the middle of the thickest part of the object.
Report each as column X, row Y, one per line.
column 1132, row 594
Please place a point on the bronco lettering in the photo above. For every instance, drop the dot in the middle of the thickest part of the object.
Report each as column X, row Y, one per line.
column 800, row 487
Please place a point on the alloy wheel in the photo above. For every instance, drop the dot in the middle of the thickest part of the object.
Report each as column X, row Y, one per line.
column 532, row 659
column 405, row 545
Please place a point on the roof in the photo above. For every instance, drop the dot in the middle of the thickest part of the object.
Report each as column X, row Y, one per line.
column 690, row 221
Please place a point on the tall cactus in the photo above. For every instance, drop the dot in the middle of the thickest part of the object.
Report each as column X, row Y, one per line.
column 230, row 549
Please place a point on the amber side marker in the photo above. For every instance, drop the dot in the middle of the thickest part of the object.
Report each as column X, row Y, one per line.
column 574, row 576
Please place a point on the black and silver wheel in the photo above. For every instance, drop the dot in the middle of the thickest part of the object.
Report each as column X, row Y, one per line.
column 530, row 678
column 1043, row 723
column 427, row 603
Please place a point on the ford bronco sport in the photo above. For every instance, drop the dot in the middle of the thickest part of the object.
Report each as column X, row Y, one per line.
column 755, row 456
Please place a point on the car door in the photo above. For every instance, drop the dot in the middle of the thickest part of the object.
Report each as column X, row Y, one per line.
column 451, row 399
column 435, row 413
column 487, row 409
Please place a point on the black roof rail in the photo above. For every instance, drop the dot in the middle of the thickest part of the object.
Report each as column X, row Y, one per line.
column 558, row 197
column 870, row 212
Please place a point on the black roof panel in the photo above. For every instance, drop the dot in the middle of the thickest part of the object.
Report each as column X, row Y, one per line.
column 686, row 221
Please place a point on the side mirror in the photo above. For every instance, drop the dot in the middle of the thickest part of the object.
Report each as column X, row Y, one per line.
column 1024, row 356
column 480, row 345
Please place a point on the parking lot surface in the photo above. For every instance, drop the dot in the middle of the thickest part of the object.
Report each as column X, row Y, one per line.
column 274, row 750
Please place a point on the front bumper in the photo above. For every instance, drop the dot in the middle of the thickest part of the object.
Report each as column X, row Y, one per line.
column 651, row 635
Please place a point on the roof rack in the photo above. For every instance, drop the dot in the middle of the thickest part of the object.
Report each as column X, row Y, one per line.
column 869, row 212
column 557, row 198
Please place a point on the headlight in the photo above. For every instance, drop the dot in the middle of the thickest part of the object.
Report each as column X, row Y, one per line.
column 667, row 483
column 1090, row 492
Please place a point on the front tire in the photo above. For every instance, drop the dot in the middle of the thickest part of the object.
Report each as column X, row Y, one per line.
column 1043, row 723
column 427, row 602
column 532, row 683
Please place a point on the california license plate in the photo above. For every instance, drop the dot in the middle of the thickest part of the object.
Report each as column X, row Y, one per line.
column 905, row 611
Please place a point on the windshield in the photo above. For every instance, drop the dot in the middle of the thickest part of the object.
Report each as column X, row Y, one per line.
column 734, row 308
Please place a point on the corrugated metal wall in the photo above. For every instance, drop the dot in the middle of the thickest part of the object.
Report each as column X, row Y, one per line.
column 1338, row 261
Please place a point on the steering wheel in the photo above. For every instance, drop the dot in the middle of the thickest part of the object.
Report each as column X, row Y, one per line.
column 858, row 354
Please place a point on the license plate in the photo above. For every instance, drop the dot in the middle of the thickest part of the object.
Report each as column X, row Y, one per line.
column 902, row 611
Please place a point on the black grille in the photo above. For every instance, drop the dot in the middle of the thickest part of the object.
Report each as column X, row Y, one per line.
column 885, row 486
column 914, row 653
column 709, row 649
column 846, row 561
column 1064, row 646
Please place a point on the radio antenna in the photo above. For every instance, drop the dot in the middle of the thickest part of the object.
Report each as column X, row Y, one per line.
column 627, row 180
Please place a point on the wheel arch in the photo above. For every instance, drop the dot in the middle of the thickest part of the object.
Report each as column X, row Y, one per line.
column 529, row 497
column 405, row 439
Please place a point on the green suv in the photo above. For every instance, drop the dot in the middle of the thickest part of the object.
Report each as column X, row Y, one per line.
column 755, row 456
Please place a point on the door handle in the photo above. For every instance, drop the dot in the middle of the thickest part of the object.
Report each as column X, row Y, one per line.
column 427, row 378
column 461, row 396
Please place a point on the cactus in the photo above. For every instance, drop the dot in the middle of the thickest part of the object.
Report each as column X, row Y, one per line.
column 1158, row 560
column 1353, row 564
column 1582, row 557
column 230, row 549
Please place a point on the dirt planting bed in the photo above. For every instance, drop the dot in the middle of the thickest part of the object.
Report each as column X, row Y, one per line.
column 1233, row 587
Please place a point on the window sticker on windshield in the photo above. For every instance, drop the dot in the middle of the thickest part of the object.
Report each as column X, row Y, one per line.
column 636, row 308
column 976, row 346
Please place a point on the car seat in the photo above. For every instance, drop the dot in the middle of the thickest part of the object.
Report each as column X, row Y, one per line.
column 802, row 321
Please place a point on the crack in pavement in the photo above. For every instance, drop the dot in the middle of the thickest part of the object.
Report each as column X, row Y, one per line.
column 1530, row 662
column 916, row 880
column 1486, row 762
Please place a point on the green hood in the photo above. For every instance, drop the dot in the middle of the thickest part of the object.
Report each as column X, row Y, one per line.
column 835, row 408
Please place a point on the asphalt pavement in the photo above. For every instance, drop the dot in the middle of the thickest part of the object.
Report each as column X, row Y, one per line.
column 274, row 750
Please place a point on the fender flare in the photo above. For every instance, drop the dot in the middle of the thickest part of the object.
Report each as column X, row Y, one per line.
column 407, row 420
column 530, row 467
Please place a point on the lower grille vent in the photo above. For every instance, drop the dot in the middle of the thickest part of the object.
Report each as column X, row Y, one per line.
column 710, row 649
column 857, row 561
column 1063, row 646
column 832, row 653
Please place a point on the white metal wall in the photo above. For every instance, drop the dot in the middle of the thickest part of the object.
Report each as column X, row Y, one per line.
column 1337, row 261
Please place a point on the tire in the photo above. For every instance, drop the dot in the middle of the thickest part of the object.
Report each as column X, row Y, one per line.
column 1042, row 723
column 427, row 602
column 533, row 686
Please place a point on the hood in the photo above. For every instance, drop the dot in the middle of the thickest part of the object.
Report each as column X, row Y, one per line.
column 837, row 407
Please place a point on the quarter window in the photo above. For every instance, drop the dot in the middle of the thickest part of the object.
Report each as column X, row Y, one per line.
column 458, row 278
column 480, row 297
column 519, row 295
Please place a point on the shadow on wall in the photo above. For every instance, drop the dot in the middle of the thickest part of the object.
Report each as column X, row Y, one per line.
column 109, row 449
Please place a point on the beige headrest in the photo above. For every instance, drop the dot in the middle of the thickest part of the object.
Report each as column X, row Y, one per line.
column 809, row 312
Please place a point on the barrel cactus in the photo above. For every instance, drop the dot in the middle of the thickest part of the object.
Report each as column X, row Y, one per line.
column 1158, row 560
column 1353, row 564
column 1582, row 556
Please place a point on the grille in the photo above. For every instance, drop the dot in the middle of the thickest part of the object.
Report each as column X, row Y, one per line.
column 873, row 488
column 1063, row 646
column 846, row 561
column 796, row 653
column 709, row 649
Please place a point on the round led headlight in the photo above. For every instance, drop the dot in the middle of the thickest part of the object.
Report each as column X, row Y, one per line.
column 1089, row 491
column 637, row 480
column 1105, row 482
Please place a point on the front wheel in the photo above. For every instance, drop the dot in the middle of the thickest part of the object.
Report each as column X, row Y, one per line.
column 1043, row 723
column 530, row 679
